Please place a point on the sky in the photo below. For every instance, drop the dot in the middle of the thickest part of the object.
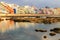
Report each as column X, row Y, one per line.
column 37, row 3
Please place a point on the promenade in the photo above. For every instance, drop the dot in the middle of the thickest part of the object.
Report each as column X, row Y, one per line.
column 28, row 15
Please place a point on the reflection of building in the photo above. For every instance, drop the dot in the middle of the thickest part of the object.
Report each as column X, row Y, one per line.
column 24, row 25
column 6, row 26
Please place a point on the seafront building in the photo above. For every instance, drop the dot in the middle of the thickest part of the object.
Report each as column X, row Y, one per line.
column 52, row 11
column 14, row 8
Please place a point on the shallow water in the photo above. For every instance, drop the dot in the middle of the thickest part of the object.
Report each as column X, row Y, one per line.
column 10, row 30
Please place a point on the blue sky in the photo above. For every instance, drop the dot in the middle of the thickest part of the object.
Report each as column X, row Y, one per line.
column 37, row 3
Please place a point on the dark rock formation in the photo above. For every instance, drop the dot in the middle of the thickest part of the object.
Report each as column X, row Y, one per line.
column 56, row 30
column 52, row 34
column 44, row 37
column 58, row 39
column 40, row 30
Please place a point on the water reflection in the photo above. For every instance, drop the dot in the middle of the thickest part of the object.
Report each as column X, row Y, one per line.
column 11, row 25
column 25, row 31
column 6, row 25
column 25, row 24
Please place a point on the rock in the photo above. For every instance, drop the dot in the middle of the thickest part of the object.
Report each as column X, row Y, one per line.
column 45, row 37
column 36, row 30
column 40, row 30
column 58, row 39
column 46, row 22
column 56, row 30
column 1, row 19
column 52, row 34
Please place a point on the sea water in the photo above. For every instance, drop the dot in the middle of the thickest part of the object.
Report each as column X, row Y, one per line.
column 10, row 30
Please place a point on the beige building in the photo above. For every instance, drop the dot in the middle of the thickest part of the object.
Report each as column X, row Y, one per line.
column 48, row 11
column 2, row 9
column 56, row 11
